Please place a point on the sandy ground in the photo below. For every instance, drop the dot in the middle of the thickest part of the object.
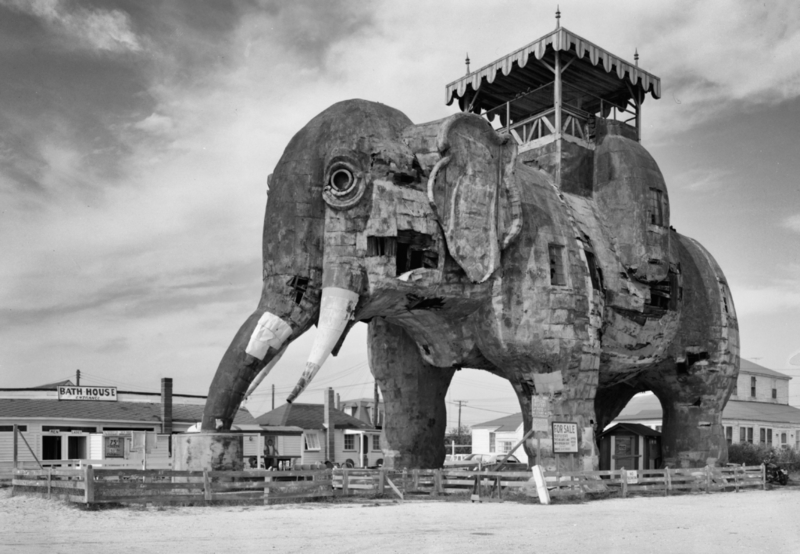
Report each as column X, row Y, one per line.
column 753, row 521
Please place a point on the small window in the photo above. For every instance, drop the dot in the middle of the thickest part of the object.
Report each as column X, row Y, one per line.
column 783, row 438
column 349, row 442
column 769, row 436
column 729, row 434
column 10, row 428
column 774, row 394
column 752, row 387
column 656, row 207
column 750, row 435
column 505, row 446
column 658, row 428
column 742, row 434
column 491, row 442
column 311, row 439
column 762, row 435
column 300, row 286
column 376, row 442
column 595, row 273
column 557, row 276
column 381, row 246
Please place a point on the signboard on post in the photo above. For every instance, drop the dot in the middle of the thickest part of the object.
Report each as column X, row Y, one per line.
column 540, row 412
column 108, row 394
column 565, row 438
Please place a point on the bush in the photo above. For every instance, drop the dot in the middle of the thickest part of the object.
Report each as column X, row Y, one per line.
column 755, row 454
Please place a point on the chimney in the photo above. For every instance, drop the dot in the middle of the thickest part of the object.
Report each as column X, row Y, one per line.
column 166, row 405
column 330, row 448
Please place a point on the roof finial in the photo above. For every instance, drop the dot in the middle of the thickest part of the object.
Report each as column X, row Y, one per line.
column 558, row 16
column 636, row 56
column 467, row 62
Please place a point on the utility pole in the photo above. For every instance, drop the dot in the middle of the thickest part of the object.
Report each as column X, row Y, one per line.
column 77, row 377
column 460, row 403
column 375, row 408
column 273, row 396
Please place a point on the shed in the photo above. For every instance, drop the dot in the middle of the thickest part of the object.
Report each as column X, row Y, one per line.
column 629, row 446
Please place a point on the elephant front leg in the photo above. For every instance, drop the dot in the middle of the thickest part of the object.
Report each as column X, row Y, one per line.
column 414, row 398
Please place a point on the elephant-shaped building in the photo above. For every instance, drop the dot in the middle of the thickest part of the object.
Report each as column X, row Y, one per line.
column 528, row 236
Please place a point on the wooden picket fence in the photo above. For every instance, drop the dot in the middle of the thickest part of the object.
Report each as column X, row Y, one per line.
column 91, row 485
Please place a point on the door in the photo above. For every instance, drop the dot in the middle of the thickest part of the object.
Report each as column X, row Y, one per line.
column 51, row 447
column 364, row 450
column 76, row 448
column 625, row 454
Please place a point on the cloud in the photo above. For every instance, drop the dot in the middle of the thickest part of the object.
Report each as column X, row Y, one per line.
column 703, row 179
column 792, row 223
column 155, row 123
column 97, row 29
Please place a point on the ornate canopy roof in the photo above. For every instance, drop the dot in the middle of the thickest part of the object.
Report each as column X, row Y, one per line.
column 591, row 69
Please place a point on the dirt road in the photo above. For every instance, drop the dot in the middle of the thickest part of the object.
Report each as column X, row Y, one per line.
column 747, row 522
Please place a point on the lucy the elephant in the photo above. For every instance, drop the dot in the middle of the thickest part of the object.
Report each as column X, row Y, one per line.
column 461, row 252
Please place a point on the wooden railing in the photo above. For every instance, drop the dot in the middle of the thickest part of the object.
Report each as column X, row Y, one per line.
column 92, row 485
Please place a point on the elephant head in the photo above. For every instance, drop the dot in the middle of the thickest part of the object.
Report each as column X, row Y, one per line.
column 370, row 215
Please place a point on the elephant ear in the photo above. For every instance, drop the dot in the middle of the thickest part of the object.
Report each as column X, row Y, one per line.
column 469, row 187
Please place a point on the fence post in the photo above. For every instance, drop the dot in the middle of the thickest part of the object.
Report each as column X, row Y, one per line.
column 49, row 477
column 708, row 480
column 16, row 447
column 764, row 476
column 415, row 479
column 267, row 489
column 381, row 481
column 437, row 482
column 206, row 486
column 405, row 480
column 88, row 484
column 736, row 477
column 624, row 482
column 345, row 482
column 667, row 481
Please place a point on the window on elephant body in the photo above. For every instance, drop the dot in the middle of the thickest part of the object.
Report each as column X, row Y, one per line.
column 556, row 254
column 656, row 207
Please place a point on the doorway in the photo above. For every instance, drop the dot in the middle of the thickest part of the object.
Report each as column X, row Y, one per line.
column 76, row 448
column 626, row 452
column 51, row 447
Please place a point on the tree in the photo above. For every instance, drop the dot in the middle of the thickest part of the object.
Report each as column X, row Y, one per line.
column 462, row 436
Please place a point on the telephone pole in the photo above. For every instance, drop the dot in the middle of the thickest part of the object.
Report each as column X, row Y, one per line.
column 460, row 403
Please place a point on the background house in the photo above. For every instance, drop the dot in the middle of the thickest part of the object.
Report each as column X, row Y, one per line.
column 351, row 442
column 499, row 436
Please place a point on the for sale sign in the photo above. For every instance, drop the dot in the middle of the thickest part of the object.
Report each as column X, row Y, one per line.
column 108, row 394
column 565, row 438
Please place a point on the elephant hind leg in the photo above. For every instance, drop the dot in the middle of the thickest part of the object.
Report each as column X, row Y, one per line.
column 413, row 395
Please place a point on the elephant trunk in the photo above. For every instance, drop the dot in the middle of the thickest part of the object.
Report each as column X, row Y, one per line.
column 254, row 351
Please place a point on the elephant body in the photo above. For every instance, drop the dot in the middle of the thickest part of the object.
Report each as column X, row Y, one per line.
column 462, row 251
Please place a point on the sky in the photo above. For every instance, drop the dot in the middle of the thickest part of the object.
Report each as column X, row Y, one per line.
column 136, row 139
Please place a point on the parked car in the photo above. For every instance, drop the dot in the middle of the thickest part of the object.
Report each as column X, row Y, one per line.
column 486, row 461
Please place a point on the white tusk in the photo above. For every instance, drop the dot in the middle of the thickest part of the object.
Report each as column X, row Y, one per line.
column 270, row 331
column 336, row 309
column 264, row 372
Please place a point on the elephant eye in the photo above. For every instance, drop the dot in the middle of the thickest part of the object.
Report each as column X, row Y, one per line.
column 342, row 181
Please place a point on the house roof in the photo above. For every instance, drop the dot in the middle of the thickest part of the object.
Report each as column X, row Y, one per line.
column 635, row 428
column 309, row 416
column 149, row 412
column 64, row 383
column 746, row 366
column 646, row 407
column 507, row 423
